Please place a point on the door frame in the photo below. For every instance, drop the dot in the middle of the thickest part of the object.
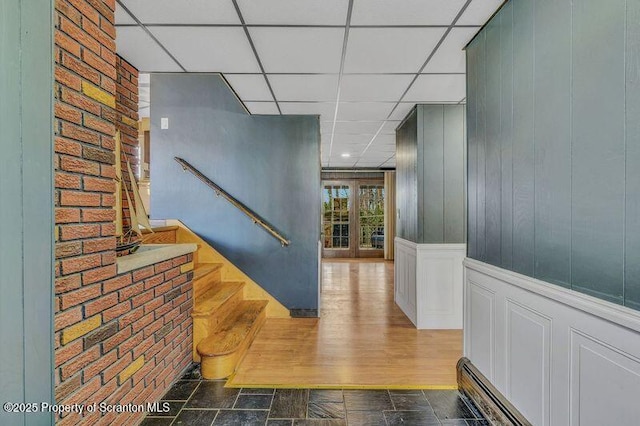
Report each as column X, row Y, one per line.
column 354, row 250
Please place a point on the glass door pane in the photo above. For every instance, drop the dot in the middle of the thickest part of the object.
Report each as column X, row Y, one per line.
column 335, row 213
column 371, row 216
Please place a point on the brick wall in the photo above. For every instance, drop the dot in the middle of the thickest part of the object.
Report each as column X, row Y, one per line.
column 118, row 338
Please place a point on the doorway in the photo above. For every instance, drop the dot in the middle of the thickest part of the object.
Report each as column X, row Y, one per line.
column 353, row 218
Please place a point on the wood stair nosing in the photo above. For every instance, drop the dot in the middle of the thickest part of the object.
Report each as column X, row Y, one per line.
column 235, row 330
column 213, row 299
column 201, row 270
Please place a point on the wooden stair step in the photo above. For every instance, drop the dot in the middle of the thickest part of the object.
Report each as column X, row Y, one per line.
column 211, row 301
column 221, row 351
column 201, row 270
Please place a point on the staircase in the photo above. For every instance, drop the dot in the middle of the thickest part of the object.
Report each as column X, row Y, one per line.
column 229, row 308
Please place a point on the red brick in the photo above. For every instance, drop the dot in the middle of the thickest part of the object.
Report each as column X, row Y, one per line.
column 143, row 347
column 68, row 79
column 130, row 291
column 116, row 311
column 154, row 304
column 98, row 215
column 116, row 283
column 172, row 314
column 163, row 266
column 141, row 299
column 76, row 232
column 179, row 261
column 65, row 319
column 143, row 372
column 67, row 43
column 68, row 249
column 98, row 274
column 82, row 263
column 100, row 304
column 108, row 84
column 66, row 146
column 141, row 274
column 67, row 181
column 161, row 289
column 77, row 33
column 153, row 327
column 65, row 112
column 79, row 296
column 99, row 64
column 81, row 134
column 67, row 10
column 116, row 368
column 95, row 184
column 84, row 393
column 68, row 283
column 142, row 322
column 82, row 102
column 67, row 215
column 105, row 8
column 171, row 273
column 74, row 198
column 98, row 367
column 79, row 362
column 113, row 342
column 129, row 344
column 108, row 200
column 86, row 10
column 96, row 33
column 99, row 245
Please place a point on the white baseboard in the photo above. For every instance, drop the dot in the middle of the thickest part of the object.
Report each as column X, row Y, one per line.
column 428, row 283
column 561, row 357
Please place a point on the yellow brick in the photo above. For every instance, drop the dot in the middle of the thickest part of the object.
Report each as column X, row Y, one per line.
column 186, row 267
column 98, row 94
column 131, row 369
column 129, row 121
column 80, row 329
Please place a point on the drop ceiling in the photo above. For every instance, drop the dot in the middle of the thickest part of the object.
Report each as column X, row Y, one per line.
column 359, row 64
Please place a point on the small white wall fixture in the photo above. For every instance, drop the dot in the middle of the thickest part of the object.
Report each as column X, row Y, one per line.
column 559, row 356
column 428, row 283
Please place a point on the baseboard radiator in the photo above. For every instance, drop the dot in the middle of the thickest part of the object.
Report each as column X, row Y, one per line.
column 493, row 405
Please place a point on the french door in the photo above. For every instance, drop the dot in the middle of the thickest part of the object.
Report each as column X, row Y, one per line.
column 353, row 218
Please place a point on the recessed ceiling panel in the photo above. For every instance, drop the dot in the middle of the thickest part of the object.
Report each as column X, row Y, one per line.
column 325, row 109
column 294, row 12
column 209, row 49
column 405, row 12
column 299, row 50
column 249, row 87
column 437, row 88
column 122, row 17
column 450, row 57
column 183, row 11
column 357, row 127
column 258, row 108
column 390, row 127
column 367, row 111
column 402, row 110
column 296, row 87
column 389, row 50
column 364, row 88
column 479, row 12
column 135, row 45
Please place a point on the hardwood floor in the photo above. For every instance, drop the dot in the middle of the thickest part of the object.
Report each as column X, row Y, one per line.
column 362, row 340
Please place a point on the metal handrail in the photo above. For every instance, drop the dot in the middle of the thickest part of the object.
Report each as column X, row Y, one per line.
column 237, row 204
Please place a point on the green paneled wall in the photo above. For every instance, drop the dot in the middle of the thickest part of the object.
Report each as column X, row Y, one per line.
column 554, row 144
column 26, row 207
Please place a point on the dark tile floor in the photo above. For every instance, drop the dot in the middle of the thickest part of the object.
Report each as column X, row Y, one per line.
column 196, row 402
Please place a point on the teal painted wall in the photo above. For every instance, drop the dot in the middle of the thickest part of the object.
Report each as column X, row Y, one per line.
column 430, row 170
column 554, row 144
column 26, row 206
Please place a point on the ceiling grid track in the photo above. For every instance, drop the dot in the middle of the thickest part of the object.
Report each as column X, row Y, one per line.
column 255, row 52
column 415, row 77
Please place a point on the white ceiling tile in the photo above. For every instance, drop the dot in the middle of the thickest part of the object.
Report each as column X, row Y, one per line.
column 390, row 127
column 258, row 108
column 450, row 57
column 299, row 50
column 326, row 127
column 366, row 111
column 401, row 111
column 141, row 51
column 250, row 87
column 183, row 11
column 479, row 12
column 389, row 50
column 351, row 140
column 357, row 127
column 364, row 88
column 294, row 12
column 405, row 12
column 199, row 49
column 384, row 140
column 437, row 88
column 325, row 109
column 122, row 17
column 304, row 87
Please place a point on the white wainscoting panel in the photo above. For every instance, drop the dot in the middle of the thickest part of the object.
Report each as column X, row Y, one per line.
column 428, row 280
column 561, row 357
